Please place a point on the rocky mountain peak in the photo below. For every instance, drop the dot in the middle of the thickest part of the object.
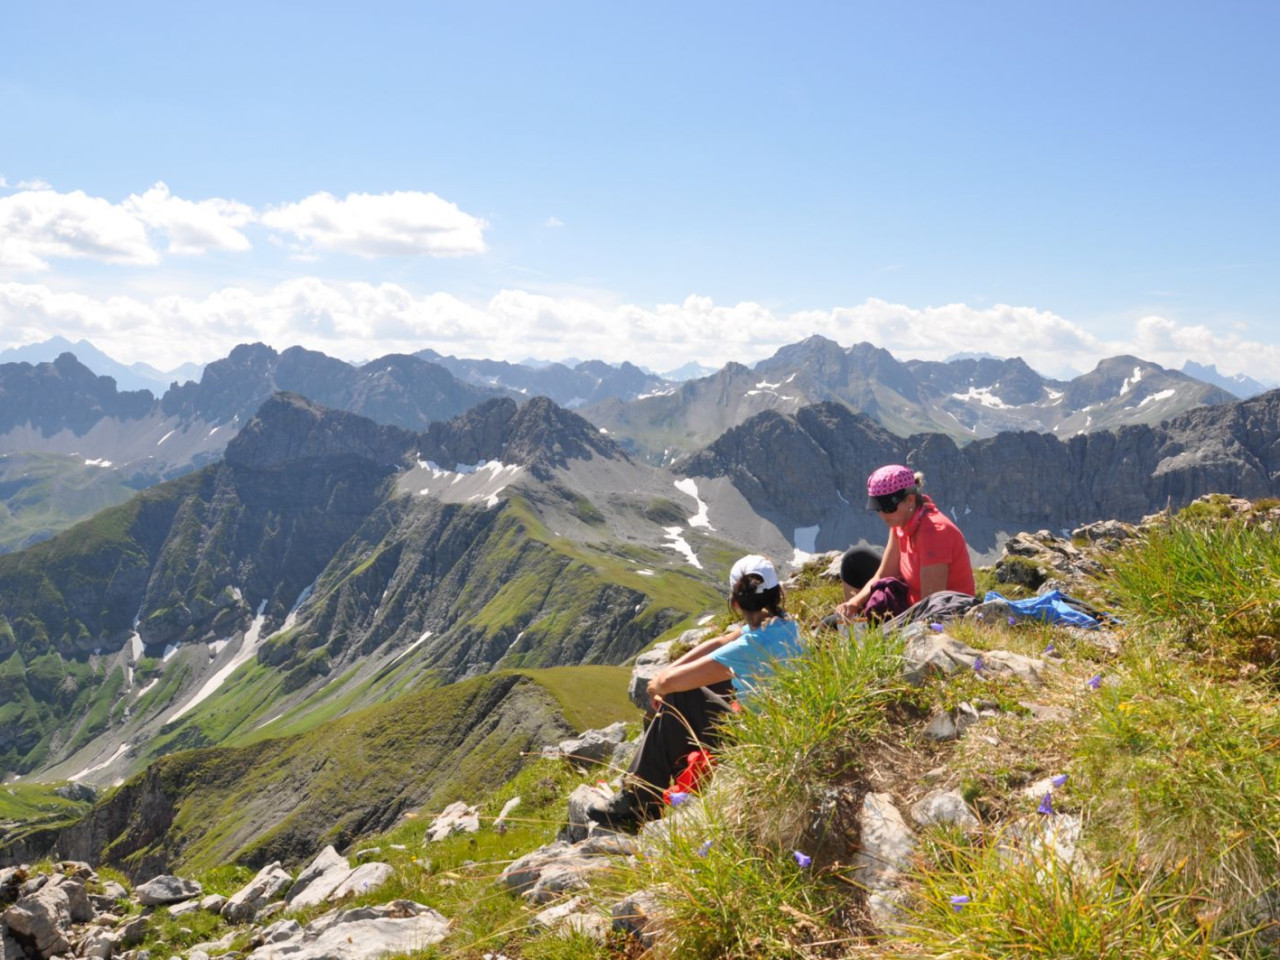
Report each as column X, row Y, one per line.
column 63, row 394
column 289, row 427
column 540, row 436
column 816, row 355
column 545, row 435
column 1127, row 376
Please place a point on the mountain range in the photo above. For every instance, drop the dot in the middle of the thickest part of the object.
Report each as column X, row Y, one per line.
column 97, row 443
column 327, row 561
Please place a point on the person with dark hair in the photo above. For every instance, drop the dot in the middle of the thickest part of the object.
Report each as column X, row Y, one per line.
column 692, row 693
column 925, row 549
column 858, row 567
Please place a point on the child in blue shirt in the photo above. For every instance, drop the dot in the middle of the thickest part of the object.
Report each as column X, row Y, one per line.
column 692, row 693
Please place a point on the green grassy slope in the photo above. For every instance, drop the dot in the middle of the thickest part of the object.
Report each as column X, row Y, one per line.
column 285, row 798
column 42, row 494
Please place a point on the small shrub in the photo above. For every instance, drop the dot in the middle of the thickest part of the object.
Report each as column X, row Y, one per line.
column 1021, row 572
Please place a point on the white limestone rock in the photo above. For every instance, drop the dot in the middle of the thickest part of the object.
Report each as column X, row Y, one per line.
column 887, row 843
column 945, row 807
column 551, row 870
column 166, row 889
column 456, row 818
column 398, row 927
column 43, row 917
column 318, row 879
column 591, row 747
column 362, row 880
column 98, row 943
column 271, row 881
column 584, row 798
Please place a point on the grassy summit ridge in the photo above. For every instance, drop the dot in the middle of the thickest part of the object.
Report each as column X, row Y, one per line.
column 1167, row 741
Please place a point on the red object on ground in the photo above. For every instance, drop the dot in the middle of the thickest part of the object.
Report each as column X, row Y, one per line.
column 696, row 767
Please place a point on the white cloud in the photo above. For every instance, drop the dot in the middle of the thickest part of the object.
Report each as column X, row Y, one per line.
column 358, row 321
column 39, row 225
column 4, row 184
column 553, row 222
column 405, row 223
column 36, row 184
column 193, row 227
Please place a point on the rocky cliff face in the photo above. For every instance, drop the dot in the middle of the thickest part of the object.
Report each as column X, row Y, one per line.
column 540, row 436
column 809, row 470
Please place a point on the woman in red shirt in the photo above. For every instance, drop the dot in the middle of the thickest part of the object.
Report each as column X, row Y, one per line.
column 925, row 549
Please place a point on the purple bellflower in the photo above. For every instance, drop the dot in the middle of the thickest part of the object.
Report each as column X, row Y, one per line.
column 803, row 859
column 958, row 902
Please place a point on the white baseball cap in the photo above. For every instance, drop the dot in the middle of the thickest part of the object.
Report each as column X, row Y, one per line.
column 754, row 563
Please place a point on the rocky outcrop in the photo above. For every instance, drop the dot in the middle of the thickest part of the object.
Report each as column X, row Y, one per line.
column 50, row 915
column 166, row 889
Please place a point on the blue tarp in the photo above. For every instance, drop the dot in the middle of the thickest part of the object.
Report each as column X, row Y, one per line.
column 1051, row 607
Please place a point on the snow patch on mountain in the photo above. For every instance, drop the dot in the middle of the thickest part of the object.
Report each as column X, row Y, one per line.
column 678, row 543
column 248, row 649
column 411, row 647
column 1162, row 395
column 120, row 752
column 699, row 519
column 984, row 396
column 806, row 539
column 1131, row 381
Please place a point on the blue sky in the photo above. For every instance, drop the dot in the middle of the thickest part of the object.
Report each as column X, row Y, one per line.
column 654, row 182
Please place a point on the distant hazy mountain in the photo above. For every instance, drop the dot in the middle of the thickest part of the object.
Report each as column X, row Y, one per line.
column 137, row 376
column 1240, row 385
column 63, row 408
column 690, row 371
column 585, row 383
column 964, row 399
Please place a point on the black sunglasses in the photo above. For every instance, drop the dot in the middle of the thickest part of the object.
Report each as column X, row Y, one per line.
column 889, row 502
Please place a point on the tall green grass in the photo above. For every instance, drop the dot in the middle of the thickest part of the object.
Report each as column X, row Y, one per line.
column 1188, row 768
column 981, row 901
column 1213, row 583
